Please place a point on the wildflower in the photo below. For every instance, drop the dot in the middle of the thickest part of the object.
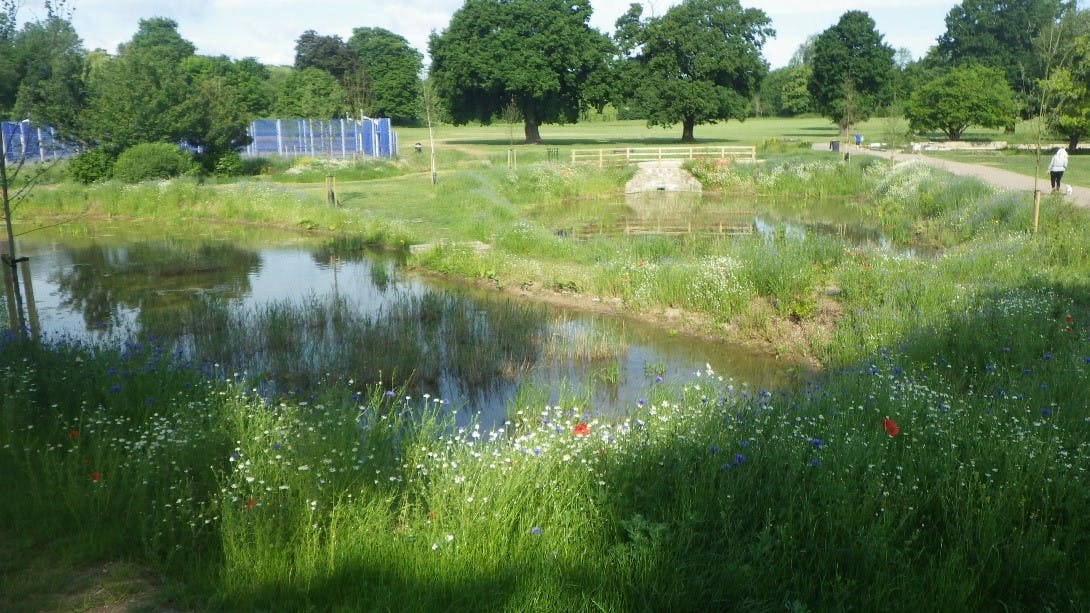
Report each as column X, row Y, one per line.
column 389, row 393
column 1046, row 412
column 536, row 531
column 581, row 430
column 250, row 502
column 815, row 463
column 739, row 458
column 816, row 443
column 449, row 537
column 714, row 449
column 890, row 426
column 95, row 476
column 73, row 434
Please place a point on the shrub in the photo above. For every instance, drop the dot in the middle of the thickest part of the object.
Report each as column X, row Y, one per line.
column 148, row 161
column 91, row 166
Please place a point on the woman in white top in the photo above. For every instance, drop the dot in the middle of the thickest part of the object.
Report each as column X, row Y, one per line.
column 1057, row 166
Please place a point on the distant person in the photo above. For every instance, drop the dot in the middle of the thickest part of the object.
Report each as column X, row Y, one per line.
column 1056, row 167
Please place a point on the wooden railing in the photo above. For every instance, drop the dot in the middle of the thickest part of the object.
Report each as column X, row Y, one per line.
column 740, row 224
column 632, row 155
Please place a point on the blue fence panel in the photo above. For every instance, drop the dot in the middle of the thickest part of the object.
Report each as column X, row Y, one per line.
column 332, row 138
column 24, row 141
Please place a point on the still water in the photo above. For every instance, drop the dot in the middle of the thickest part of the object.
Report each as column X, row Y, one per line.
column 289, row 314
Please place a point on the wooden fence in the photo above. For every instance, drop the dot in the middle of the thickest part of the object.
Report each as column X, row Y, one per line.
column 740, row 225
column 632, row 155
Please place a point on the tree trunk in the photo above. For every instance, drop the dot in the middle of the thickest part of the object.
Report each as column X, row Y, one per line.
column 687, row 130
column 533, row 136
column 1072, row 143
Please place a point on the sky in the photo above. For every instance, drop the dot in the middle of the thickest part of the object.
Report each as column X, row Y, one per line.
column 268, row 29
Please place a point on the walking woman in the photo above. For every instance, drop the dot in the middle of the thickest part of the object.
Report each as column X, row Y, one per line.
column 1057, row 166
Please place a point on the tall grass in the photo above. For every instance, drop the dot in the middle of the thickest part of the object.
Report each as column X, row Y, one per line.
column 709, row 492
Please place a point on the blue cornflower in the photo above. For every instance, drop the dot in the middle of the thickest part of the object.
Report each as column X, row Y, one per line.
column 1048, row 356
column 743, row 443
column 115, row 388
column 536, row 530
column 816, row 443
column 739, row 458
column 389, row 393
column 1046, row 412
column 640, row 401
column 815, row 463
column 714, row 449
column 658, row 379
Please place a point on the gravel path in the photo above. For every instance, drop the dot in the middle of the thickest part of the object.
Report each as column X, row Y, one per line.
column 1004, row 179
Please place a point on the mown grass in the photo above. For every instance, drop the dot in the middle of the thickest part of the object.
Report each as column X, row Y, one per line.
column 709, row 494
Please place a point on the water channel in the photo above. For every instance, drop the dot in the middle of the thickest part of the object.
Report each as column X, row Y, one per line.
column 288, row 314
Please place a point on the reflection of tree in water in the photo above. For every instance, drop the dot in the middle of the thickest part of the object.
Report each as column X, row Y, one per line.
column 159, row 281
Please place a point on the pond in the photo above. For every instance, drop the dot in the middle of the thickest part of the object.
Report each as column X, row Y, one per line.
column 288, row 314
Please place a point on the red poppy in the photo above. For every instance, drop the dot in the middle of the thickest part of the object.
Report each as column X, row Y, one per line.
column 250, row 502
column 95, row 476
column 1068, row 319
column 891, row 427
column 73, row 434
column 581, row 430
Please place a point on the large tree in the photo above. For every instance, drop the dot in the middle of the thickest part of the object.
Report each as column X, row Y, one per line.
column 784, row 93
column 158, row 90
column 970, row 95
column 329, row 53
column 390, row 72
column 699, row 63
column 1065, row 93
column 143, row 95
column 997, row 33
column 536, row 56
column 311, row 93
column 852, row 70
column 50, row 59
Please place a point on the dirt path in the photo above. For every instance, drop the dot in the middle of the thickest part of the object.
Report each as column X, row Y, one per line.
column 1003, row 179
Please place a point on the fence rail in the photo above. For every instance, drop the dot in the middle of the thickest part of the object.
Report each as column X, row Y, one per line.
column 740, row 224
column 631, row 155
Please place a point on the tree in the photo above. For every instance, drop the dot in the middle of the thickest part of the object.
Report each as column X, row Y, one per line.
column 997, row 33
column 699, row 63
column 964, row 96
column 9, row 72
column 784, row 91
column 1065, row 90
column 50, row 60
column 143, row 95
column 311, row 93
column 328, row 53
column 540, row 56
column 852, row 70
column 390, row 69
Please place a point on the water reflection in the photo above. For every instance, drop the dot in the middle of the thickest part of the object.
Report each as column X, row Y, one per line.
column 293, row 315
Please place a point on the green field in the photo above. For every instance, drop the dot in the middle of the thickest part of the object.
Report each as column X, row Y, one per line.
column 938, row 458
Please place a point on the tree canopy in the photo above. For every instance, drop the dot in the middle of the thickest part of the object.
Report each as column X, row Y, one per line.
column 1065, row 92
column 538, row 56
column 852, row 70
column 971, row 95
column 997, row 33
column 699, row 63
column 390, row 69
